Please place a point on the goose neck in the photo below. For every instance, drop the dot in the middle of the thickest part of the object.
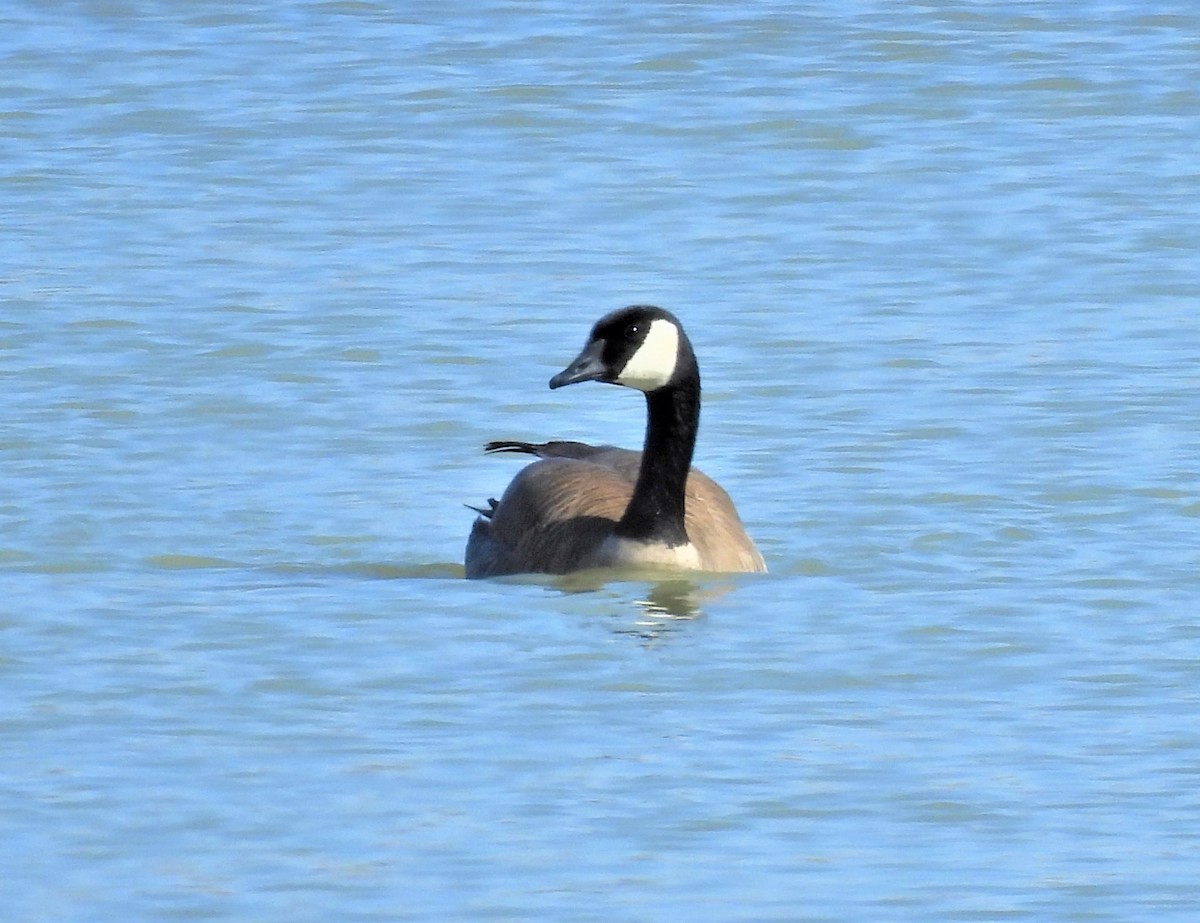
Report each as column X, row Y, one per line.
column 656, row 510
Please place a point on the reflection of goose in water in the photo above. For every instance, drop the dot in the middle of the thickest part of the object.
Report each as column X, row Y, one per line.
column 675, row 599
column 644, row 605
column 581, row 506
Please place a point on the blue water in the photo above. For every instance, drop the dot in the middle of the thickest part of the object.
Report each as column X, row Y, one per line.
column 271, row 275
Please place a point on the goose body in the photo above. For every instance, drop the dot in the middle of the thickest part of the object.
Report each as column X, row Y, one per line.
column 581, row 506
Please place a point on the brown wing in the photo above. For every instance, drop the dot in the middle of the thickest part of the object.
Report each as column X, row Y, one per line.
column 553, row 517
column 716, row 530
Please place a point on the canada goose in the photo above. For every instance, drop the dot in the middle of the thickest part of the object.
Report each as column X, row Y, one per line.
column 582, row 506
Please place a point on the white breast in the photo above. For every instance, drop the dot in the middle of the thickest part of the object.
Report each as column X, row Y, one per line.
column 627, row 552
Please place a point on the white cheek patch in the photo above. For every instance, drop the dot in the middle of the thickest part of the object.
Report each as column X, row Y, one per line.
column 653, row 364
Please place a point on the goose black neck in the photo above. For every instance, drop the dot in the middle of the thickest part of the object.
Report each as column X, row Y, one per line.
column 656, row 511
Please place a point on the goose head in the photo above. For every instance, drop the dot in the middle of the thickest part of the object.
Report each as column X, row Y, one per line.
column 640, row 347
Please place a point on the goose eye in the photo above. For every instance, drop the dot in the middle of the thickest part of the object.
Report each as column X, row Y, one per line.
column 632, row 331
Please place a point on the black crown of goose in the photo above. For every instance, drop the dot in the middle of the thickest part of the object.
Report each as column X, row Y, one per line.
column 656, row 510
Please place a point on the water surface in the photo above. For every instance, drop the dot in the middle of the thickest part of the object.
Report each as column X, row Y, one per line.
column 270, row 278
